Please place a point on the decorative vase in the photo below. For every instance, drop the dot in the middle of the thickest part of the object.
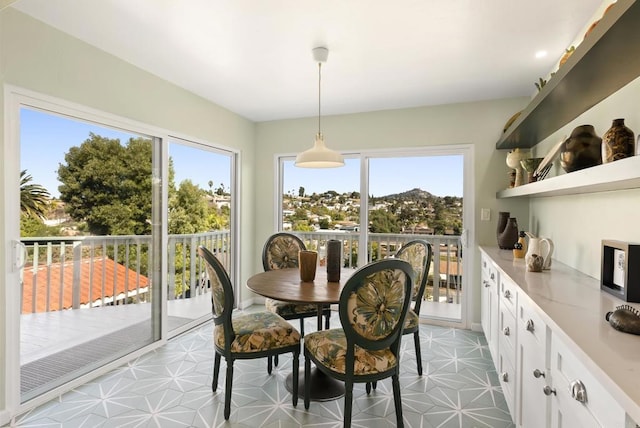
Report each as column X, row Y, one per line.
column 307, row 261
column 618, row 142
column 509, row 236
column 503, row 218
column 581, row 150
column 520, row 249
column 513, row 161
column 334, row 257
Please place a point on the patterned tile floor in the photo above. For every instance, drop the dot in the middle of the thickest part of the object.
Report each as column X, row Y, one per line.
column 170, row 387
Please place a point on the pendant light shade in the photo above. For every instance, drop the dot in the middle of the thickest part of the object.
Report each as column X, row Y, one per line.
column 319, row 156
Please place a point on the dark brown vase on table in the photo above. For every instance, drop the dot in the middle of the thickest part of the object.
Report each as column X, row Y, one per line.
column 334, row 260
column 581, row 150
column 618, row 142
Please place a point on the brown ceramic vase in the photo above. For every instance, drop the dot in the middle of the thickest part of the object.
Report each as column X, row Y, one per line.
column 618, row 142
column 581, row 150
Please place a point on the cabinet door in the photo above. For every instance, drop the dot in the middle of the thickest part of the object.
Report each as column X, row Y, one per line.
column 489, row 304
column 533, row 404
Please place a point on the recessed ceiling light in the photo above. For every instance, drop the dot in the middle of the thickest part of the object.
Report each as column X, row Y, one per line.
column 541, row 54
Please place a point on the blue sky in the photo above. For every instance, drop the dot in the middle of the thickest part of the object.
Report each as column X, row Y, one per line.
column 45, row 138
column 439, row 175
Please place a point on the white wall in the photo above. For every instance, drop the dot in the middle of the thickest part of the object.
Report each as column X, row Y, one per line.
column 39, row 58
column 477, row 123
column 578, row 223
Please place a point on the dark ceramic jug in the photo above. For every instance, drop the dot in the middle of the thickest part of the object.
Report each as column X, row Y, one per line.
column 509, row 236
column 581, row 150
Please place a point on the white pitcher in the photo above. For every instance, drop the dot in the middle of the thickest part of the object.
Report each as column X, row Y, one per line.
column 542, row 247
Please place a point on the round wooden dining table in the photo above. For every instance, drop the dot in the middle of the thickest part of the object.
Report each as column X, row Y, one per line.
column 286, row 285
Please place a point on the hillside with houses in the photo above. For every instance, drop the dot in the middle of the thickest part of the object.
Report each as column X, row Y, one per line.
column 415, row 211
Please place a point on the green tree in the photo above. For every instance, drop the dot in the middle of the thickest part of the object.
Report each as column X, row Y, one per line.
column 188, row 211
column 301, row 191
column 108, row 185
column 34, row 199
column 382, row 221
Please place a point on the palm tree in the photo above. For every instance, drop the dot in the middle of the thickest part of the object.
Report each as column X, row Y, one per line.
column 34, row 199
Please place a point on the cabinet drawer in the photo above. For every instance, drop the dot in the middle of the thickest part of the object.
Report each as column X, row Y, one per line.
column 508, row 294
column 489, row 272
column 531, row 325
column 566, row 371
column 507, row 333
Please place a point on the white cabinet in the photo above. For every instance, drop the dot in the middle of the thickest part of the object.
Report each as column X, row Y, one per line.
column 533, row 367
column 489, row 304
column 577, row 398
column 542, row 372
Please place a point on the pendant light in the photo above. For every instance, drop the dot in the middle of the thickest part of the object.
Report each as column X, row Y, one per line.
column 319, row 156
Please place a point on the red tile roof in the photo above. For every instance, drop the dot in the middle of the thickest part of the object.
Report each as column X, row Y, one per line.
column 114, row 274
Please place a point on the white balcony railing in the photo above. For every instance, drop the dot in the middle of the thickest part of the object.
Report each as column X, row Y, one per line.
column 445, row 274
column 93, row 271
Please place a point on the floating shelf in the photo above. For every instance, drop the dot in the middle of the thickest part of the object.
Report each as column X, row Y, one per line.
column 618, row 175
column 602, row 64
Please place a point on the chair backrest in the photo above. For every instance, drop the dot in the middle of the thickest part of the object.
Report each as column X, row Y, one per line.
column 419, row 254
column 373, row 305
column 221, row 293
column 281, row 251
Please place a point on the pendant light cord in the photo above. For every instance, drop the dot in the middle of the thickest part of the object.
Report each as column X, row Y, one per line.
column 319, row 80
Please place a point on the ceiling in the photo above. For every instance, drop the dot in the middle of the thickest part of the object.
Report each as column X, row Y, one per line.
column 254, row 57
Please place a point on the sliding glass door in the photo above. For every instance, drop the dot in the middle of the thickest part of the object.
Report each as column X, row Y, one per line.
column 201, row 200
column 103, row 218
column 415, row 194
column 90, row 225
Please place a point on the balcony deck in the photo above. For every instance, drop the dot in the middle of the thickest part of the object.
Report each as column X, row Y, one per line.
column 54, row 345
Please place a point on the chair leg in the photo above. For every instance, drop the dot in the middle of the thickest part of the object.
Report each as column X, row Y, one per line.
column 216, row 371
column 296, row 365
column 275, row 360
column 327, row 317
column 397, row 401
column 374, row 384
column 368, row 388
column 307, row 380
column 416, row 341
column 301, row 327
column 269, row 365
column 227, row 392
column 348, row 402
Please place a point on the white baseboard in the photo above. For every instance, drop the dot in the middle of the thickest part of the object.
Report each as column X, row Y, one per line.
column 476, row 327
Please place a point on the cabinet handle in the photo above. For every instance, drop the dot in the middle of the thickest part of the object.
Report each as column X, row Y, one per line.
column 506, row 331
column 530, row 326
column 493, row 275
column 578, row 391
column 486, row 283
column 484, row 264
column 537, row 373
column 507, row 294
column 505, row 377
column 548, row 390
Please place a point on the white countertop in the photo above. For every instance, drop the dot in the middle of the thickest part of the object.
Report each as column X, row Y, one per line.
column 574, row 307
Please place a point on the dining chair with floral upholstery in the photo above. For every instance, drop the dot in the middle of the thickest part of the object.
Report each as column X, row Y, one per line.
column 281, row 252
column 373, row 307
column 248, row 336
column 419, row 254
